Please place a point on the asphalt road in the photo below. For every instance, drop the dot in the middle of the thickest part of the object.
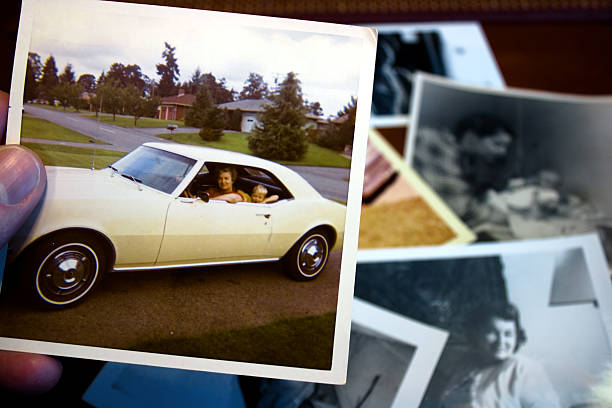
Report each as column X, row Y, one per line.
column 121, row 139
column 330, row 182
column 131, row 308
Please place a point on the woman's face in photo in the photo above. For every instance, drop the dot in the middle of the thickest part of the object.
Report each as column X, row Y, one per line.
column 225, row 181
column 498, row 339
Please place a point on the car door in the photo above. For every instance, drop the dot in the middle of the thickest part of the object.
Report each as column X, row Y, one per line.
column 214, row 231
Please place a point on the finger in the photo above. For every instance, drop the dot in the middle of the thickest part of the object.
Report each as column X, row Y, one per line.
column 22, row 183
column 28, row 373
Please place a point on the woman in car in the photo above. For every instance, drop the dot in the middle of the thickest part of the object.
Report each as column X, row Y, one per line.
column 225, row 190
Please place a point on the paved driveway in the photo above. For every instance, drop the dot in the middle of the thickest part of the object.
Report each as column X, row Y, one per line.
column 119, row 138
column 330, row 182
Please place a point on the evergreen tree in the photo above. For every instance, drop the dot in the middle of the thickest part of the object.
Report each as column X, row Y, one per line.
column 205, row 115
column 49, row 80
column 341, row 133
column 67, row 77
column 282, row 135
column 169, row 72
column 33, row 74
column 254, row 88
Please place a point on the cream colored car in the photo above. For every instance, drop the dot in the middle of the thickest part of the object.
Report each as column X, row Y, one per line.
column 148, row 210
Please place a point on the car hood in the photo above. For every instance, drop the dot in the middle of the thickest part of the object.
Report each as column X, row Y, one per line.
column 77, row 183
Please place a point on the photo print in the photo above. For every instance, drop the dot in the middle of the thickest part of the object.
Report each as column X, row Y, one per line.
column 398, row 209
column 391, row 359
column 208, row 158
column 514, row 164
column 457, row 50
column 514, row 313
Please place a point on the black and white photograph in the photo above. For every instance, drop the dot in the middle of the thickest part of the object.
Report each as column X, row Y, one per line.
column 457, row 50
column 514, row 313
column 419, row 218
column 391, row 359
column 202, row 187
column 514, row 164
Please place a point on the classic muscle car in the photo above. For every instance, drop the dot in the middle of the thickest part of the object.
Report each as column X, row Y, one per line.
column 150, row 210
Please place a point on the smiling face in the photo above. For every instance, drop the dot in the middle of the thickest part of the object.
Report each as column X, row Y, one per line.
column 225, row 182
column 498, row 339
column 258, row 196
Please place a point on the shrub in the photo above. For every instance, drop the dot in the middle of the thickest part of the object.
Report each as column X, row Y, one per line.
column 210, row 134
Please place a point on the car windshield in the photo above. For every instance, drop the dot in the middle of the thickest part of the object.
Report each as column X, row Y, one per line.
column 155, row 168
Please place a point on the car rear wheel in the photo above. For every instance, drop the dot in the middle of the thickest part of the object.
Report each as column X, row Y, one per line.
column 66, row 267
column 308, row 256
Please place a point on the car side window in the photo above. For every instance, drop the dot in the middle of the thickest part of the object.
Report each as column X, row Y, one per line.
column 200, row 182
column 262, row 184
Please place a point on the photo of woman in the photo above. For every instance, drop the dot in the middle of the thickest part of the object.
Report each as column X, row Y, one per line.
column 527, row 322
column 493, row 373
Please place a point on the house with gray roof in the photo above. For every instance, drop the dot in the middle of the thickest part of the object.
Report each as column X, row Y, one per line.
column 251, row 107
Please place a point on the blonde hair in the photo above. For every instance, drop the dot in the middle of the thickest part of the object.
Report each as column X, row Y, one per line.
column 260, row 189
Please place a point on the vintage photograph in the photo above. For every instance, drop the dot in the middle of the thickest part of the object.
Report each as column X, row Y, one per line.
column 457, row 50
column 514, row 164
column 197, row 186
column 514, row 313
column 398, row 209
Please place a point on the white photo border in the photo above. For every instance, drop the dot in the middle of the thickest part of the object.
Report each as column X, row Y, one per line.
column 463, row 234
column 590, row 244
column 337, row 373
column 478, row 43
column 428, row 342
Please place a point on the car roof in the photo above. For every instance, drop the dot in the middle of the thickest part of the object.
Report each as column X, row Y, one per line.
column 292, row 180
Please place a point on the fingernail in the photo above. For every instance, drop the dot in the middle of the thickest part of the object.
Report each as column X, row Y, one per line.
column 22, row 182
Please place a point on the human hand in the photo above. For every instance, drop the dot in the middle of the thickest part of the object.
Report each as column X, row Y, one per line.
column 22, row 182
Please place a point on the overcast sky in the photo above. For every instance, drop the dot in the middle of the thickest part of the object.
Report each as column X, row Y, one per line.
column 91, row 40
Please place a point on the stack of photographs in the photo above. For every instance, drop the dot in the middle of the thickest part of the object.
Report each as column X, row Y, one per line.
column 384, row 304
column 514, row 164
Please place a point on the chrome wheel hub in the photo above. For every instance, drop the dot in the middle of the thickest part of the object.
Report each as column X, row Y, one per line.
column 67, row 273
column 313, row 254
column 67, row 269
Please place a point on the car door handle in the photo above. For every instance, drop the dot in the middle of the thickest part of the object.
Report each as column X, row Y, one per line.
column 264, row 215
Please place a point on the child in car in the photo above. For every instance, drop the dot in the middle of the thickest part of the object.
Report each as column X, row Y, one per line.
column 259, row 195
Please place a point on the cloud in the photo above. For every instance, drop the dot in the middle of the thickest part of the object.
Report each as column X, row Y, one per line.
column 92, row 36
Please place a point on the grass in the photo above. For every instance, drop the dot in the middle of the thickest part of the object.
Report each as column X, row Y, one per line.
column 237, row 142
column 43, row 129
column 305, row 342
column 70, row 156
column 128, row 121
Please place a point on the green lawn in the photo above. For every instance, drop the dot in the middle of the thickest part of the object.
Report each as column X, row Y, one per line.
column 128, row 121
column 237, row 142
column 69, row 156
column 306, row 342
column 43, row 129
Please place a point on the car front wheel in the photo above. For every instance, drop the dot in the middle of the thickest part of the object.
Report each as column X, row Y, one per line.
column 308, row 257
column 66, row 268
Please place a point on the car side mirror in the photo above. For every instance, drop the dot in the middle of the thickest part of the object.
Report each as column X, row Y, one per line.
column 203, row 195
